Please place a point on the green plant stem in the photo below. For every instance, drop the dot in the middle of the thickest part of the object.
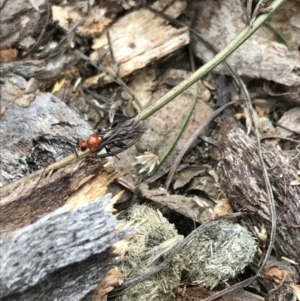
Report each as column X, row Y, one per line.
column 279, row 35
column 238, row 41
column 183, row 126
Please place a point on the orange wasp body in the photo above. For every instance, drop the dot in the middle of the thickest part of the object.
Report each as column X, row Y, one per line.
column 130, row 129
column 91, row 143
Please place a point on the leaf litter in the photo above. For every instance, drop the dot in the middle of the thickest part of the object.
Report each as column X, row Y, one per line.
column 148, row 62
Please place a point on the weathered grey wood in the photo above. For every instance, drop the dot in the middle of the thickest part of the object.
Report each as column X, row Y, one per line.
column 47, row 120
column 46, row 70
column 19, row 19
column 258, row 58
column 243, row 182
column 47, row 251
column 35, row 195
column 60, row 257
column 163, row 38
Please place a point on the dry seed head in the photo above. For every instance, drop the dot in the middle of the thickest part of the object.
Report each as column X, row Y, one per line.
column 149, row 160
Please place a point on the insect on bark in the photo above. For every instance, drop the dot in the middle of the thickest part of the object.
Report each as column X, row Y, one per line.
column 116, row 136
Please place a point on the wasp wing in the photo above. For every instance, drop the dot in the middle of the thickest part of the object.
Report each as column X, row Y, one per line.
column 130, row 129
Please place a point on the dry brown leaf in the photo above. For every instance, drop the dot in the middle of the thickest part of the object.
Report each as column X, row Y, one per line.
column 261, row 110
column 186, row 175
column 285, row 276
column 8, row 55
column 263, row 124
column 276, row 274
column 205, row 185
column 223, row 207
column 290, row 120
column 191, row 207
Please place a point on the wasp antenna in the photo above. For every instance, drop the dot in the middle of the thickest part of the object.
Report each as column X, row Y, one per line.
column 108, row 151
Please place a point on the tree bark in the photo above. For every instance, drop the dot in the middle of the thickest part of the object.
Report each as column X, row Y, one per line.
column 56, row 230
column 14, row 15
column 62, row 256
column 243, row 182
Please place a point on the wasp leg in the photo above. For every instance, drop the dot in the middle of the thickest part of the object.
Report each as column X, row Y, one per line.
column 110, row 153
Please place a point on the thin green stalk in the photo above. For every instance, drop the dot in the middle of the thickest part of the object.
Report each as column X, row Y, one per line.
column 238, row 41
column 249, row 9
column 279, row 35
column 182, row 128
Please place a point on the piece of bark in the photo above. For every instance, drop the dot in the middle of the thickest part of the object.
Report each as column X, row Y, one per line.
column 34, row 196
column 36, row 132
column 49, row 252
column 219, row 22
column 138, row 39
column 19, row 19
column 44, row 70
column 98, row 16
column 107, row 284
column 242, row 180
column 289, row 120
column 188, row 174
column 61, row 256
